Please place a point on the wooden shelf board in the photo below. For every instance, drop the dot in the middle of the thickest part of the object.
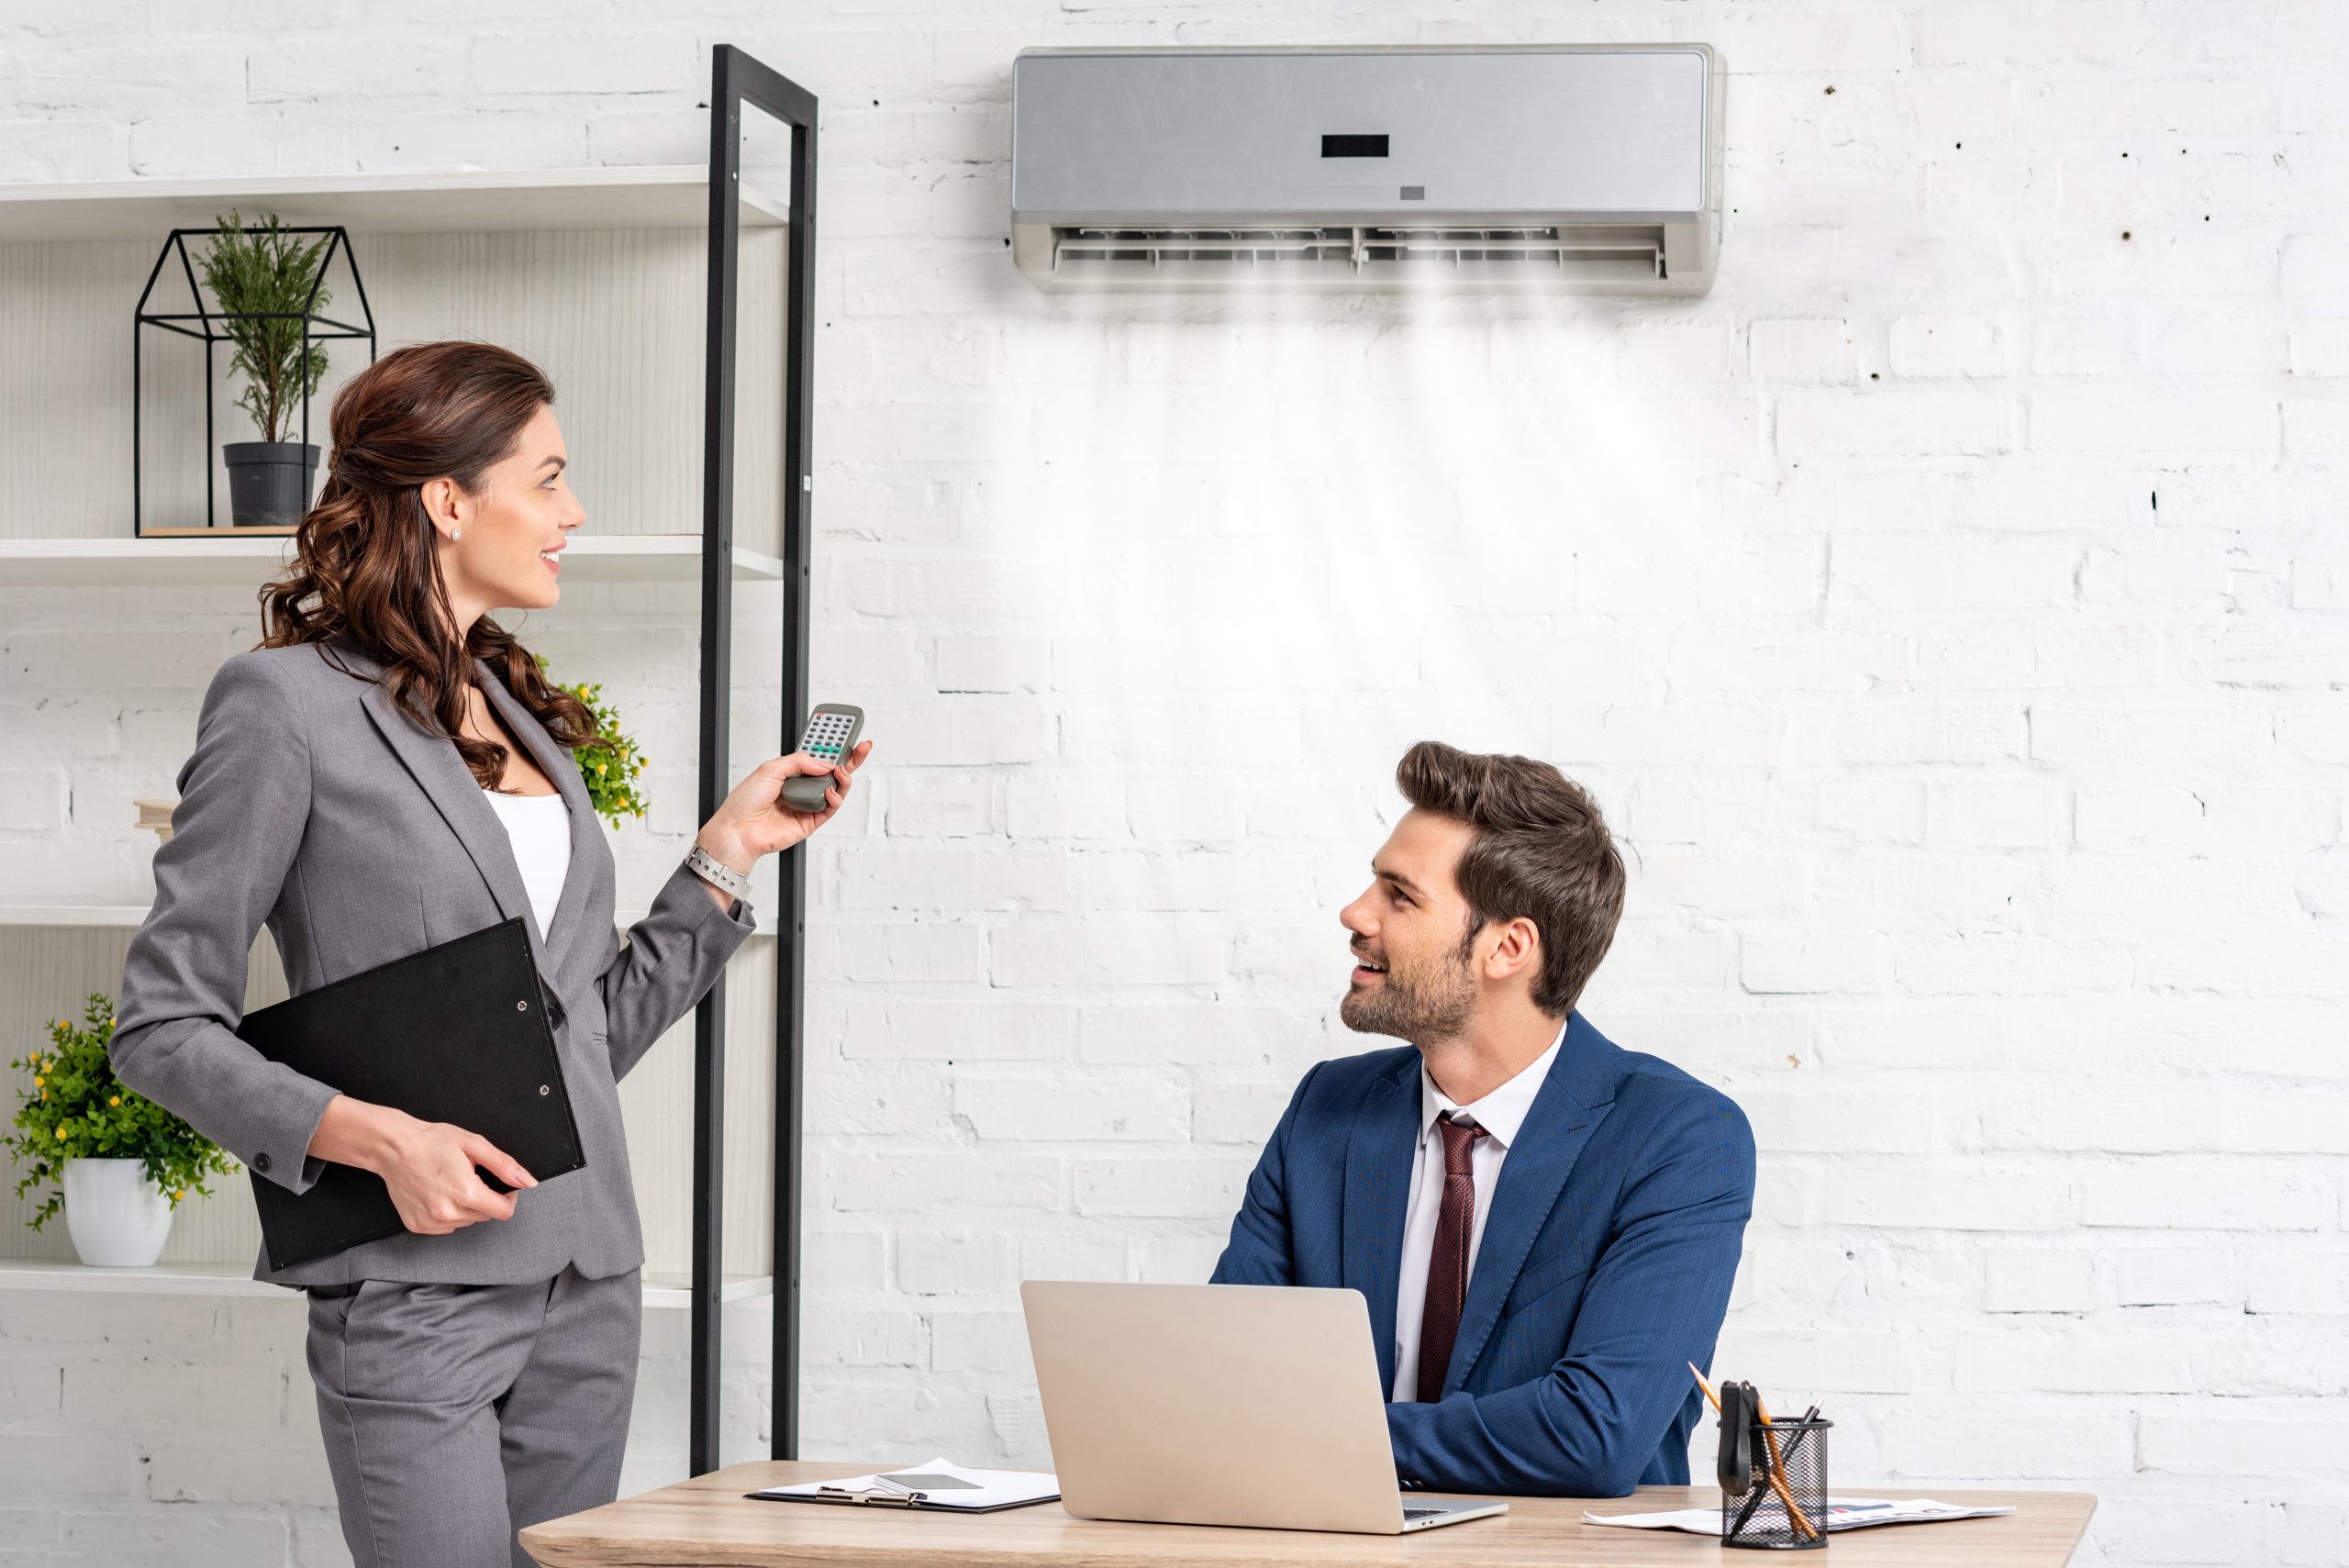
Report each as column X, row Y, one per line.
column 661, row 1291
column 243, row 556
column 457, row 201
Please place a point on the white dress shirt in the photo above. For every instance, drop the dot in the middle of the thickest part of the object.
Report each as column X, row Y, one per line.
column 1500, row 1114
column 539, row 827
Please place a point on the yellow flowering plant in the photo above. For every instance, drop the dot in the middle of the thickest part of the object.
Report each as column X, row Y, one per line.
column 608, row 764
column 75, row 1108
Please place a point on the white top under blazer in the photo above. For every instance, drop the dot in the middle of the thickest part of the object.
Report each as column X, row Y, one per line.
column 540, row 828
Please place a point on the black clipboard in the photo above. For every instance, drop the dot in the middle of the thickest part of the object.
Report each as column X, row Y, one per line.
column 457, row 1032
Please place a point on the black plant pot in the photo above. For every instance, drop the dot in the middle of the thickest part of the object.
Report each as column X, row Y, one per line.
column 269, row 481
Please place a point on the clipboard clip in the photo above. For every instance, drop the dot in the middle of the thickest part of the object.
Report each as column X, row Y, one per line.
column 884, row 1491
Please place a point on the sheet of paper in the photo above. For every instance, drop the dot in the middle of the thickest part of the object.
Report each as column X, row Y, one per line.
column 986, row 1488
column 1842, row 1513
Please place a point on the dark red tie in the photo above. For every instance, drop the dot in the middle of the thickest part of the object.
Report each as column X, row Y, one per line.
column 1448, row 1263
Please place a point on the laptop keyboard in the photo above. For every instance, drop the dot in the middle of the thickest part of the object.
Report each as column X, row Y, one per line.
column 1411, row 1514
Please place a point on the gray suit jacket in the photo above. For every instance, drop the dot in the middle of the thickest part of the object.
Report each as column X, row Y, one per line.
column 313, row 802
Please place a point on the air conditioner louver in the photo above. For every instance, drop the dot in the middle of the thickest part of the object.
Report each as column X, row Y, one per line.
column 1578, row 168
column 1360, row 256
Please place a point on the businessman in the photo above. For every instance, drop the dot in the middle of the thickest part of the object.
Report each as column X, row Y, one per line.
column 1546, row 1225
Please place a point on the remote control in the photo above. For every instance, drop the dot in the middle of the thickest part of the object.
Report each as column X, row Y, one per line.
column 832, row 729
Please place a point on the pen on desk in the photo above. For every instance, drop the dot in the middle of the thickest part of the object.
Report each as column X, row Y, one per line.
column 1795, row 1441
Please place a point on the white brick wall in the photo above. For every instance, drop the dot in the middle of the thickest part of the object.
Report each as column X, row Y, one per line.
column 1948, row 611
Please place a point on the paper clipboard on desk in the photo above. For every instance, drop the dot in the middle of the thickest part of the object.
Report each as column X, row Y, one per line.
column 938, row 1487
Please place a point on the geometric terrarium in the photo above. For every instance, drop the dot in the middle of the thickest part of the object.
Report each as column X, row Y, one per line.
column 261, row 289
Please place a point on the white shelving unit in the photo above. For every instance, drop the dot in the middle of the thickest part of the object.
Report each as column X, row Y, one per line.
column 664, row 1292
column 602, row 265
column 235, row 559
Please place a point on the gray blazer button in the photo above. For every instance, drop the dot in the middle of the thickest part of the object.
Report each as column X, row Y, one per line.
column 261, row 1160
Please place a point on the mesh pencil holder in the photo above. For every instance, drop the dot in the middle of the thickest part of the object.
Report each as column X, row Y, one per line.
column 1784, row 1508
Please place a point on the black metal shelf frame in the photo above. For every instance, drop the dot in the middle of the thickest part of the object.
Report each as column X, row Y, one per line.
column 738, row 80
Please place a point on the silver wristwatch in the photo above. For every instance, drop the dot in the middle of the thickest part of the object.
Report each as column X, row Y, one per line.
column 723, row 877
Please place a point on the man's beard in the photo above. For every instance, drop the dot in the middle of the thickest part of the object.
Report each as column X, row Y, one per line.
column 1422, row 1008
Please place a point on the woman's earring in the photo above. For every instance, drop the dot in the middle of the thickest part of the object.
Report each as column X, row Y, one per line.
column 456, row 534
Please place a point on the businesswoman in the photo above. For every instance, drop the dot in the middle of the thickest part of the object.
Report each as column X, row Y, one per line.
column 388, row 770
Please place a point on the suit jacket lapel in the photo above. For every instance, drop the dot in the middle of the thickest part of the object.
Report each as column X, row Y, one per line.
column 1574, row 1099
column 556, row 762
column 1378, row 1188
column 440, row 771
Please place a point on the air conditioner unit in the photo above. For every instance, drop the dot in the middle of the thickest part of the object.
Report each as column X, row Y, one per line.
column 1582, row 167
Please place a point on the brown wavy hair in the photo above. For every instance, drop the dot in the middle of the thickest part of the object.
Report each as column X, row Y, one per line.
column 365, row 568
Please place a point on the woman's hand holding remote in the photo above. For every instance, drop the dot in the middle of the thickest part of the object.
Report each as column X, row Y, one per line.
column 753, row 820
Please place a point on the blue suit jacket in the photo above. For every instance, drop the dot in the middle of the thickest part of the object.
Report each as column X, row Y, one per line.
column 1605, row 1267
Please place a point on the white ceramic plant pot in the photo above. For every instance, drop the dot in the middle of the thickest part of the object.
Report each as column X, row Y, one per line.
column 118, row 1218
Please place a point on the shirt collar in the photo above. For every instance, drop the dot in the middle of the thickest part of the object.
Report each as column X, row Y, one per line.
column 1501, row 1112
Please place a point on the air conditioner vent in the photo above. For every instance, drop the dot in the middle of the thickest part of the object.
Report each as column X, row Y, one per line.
column 1367, row 255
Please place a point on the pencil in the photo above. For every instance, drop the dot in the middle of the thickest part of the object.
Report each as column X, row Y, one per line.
column 1778, row 1472
column 1710, row 1397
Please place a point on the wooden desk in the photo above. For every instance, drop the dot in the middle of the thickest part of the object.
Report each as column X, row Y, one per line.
column 707, row 1523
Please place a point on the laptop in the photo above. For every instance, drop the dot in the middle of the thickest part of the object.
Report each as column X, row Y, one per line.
column 1222, row 1405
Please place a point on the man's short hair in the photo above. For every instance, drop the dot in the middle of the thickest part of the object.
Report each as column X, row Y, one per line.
column 1540, row 850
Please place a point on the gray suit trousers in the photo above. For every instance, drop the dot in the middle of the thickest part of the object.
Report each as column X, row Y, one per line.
column 454, row 1415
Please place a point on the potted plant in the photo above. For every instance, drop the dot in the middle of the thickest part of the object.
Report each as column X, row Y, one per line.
column 124, row 1163
column 609, row 765
column 267, row 283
